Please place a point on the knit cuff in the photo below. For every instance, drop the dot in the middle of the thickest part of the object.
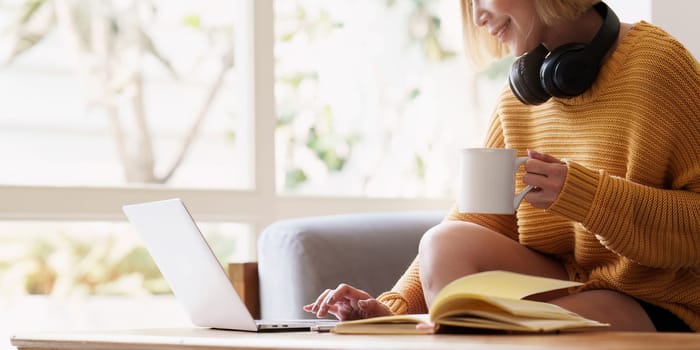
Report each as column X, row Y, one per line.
column 576, row 197
column 395, row 301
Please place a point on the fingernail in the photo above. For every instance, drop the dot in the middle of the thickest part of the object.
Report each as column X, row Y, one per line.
column 362, row 303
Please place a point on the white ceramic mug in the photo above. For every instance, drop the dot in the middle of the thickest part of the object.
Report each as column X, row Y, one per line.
column 487, row 181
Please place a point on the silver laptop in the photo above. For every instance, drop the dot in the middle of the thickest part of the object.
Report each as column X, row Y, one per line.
column 193, row 272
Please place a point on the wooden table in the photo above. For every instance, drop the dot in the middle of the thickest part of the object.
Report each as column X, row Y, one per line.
column 199, row 338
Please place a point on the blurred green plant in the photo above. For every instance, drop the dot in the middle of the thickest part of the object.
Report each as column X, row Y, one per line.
column 320, row 137
column 424, row 28
column 331, row 146
column 65, row 264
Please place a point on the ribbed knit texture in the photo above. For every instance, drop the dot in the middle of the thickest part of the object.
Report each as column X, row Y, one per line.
column 628, row 216
column 411, row 290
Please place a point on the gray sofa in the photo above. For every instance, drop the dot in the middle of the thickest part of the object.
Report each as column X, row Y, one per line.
column 299, row 258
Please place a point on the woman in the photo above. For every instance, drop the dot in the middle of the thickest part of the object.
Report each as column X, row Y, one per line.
column 617, row 172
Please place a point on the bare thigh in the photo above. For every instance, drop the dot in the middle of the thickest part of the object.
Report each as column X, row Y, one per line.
column 621, row 311
column 454, row 249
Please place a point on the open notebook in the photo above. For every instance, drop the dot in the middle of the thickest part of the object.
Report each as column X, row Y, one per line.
column 193, row 272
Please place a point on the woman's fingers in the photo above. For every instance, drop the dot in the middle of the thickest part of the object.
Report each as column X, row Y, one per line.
column 546, row 183
column 331, row 300
column 358, row 309
column 542, row 156
column 372, row 308
column 539, row 167
column 317, row 304
column 546, row 189
column 547, row 175
column 344, row 294
column 347, row 303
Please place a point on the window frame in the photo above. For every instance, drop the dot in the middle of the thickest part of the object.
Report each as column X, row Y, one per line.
column 258, row 207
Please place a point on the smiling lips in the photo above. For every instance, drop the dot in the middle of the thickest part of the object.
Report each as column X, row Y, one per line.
column 500, row 30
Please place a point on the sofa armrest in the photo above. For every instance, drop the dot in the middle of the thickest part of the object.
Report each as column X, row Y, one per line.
column 299, row 258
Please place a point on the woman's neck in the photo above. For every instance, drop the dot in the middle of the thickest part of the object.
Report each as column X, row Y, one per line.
column 580, row 30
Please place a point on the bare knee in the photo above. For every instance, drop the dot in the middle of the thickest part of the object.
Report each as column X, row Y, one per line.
column 444, row 255
column 443, row 243
column 455, row 248
column 442, row 236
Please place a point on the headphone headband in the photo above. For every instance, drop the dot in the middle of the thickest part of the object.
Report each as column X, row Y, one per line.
column 607, row 34
column 567, row 71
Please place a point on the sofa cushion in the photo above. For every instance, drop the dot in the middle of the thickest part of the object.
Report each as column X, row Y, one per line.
column 300, row 258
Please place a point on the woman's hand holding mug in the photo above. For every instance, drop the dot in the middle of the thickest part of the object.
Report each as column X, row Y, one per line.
column 546, row 175
column 487, row 180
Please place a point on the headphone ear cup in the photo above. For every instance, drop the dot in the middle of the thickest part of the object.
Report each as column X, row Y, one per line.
column 524, row 77
column 567, row 71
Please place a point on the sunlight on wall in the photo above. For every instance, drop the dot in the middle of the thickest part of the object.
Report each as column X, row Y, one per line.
column 631, row 11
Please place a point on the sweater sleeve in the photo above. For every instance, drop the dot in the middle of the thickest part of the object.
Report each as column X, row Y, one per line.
column 407, row 295
column 652, row 216
column 654, row 227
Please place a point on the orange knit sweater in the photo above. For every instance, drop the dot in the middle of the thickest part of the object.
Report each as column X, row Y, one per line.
column 628, row 216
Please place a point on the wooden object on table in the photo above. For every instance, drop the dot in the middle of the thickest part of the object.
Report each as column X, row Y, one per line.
column 209, row 339
column 244, row 277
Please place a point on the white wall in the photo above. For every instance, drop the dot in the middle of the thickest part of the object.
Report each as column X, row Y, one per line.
column 631, row 11
column 680, row 18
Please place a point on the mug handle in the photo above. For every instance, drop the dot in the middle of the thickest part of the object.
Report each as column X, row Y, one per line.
column 519, row 197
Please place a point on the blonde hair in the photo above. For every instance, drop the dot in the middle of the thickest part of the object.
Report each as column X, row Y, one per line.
column 483, row 48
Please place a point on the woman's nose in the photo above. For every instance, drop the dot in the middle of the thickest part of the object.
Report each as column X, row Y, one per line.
column 480, row 16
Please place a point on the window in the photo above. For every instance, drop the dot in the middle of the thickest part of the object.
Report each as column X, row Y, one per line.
column 374, row 98
column 110, row 93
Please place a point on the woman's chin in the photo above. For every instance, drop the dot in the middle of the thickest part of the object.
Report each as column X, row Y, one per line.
column 516, row 50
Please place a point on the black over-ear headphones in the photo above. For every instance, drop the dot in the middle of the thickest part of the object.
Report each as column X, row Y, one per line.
column 567, row 71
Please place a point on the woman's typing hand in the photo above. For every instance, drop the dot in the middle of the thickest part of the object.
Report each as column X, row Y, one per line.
column 347, row 303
